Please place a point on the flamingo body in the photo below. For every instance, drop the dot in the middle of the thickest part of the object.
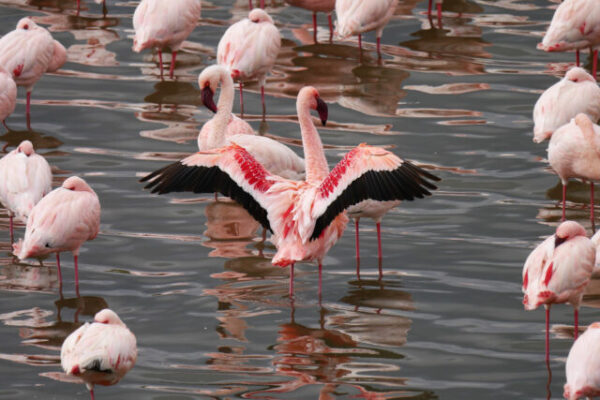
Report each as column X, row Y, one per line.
column 356, row 16
column 596, row 241
column 25, row 177
column 573, row 26
column 306, row 217
column 583, row 365
column 249, row 48
column 100, row 353
column 8, row 94
column 576, row 93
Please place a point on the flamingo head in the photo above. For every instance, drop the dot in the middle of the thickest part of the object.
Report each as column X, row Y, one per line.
column 26, row 24
column 309, row 97
column 567, row 230
column 108, row 316
column 578, row 74
column 259, row 15
column 209, row 80
column 26, row 148
column 76, row 184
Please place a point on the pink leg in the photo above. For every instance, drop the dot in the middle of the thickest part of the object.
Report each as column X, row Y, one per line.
column 320, row 277
column 357, row 238
column 250, row 5
column 92, row 393
column 592, row 202
column 262, row 3
column 595, row 63
column 76, row 276
column 564, row 201
column 429, row 7
column 315, row 26
column 577, row 57
column 29, row 110
column 241, row 100
column 172, row 69
column 439, row 15
column 379, row 253
column 291, row 288
column 547, row 333
column 12, row 235
column 379, row 47
column 262, row 98
column 330, row 27
column 6, row 126
column 161, row 63
column 576, row 312
column 59, row 271
column 78, row 6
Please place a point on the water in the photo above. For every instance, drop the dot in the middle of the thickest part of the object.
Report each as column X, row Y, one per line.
column 188, row 276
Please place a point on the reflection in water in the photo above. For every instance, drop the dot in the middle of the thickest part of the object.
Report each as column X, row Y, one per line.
column 24, row 277
column 38, row 139
column 577, row 208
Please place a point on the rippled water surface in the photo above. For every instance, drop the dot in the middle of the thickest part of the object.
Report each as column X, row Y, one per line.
column 192, row 278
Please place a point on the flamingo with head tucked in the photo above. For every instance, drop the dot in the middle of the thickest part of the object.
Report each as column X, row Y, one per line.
column 557, row 271
column 100, row 353
column 306, row 217
column 225, row 128
column 574, row 152
column 162, row 24
column 249, row 48
column 355, row 17
column 583, row 365
column 576, row 93
column 62, row 221
column 27, row 53
column 25, row 177
column 326, row 6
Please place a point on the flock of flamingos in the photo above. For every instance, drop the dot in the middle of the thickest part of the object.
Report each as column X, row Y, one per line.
column 304, row 204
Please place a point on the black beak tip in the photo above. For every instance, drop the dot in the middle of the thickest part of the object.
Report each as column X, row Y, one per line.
column 207, row 99
column 322, row 110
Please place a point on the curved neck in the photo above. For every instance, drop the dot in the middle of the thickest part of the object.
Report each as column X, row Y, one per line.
column 314, row 157
column 224, row 107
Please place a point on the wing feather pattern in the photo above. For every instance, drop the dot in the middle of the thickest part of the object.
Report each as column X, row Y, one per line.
column 368, row 172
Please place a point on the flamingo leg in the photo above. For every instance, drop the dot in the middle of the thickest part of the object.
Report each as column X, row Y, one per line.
column 429, row 7
column 262, row 98
column 547, row 333
column 6, row 126
column 592, row 202
column 577, row 57
column 315, row 26
column 28, row 113
column 320, row 277
column 330, row 27
column 291, row 288
column 241, row 99
column 250, row 5
column 172, row 69
column 59, row 271
column 75, row 258
column 12, row 235
column 161, row 63
column 78, row 6
column 92, row 393
column 439, row 15
column 357, row 241
column 379, row 252
column 262, row 3
column 379, row 48
column 595, row 63
column 564, row 195
column 576, row 318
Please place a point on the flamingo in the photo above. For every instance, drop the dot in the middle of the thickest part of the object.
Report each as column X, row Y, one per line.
column 25, row 177
column 574, row 26
column 225, row 128
column 249, row 49
column 576, row 93
column 326, row 6
column 583, row 365
column 161, row 24
column 557, row 271
column 100, row 353
column 8, row 95
column 355, row 17
column 574, row 152
column 61, row 221
column 27, row 53
column 306, row 217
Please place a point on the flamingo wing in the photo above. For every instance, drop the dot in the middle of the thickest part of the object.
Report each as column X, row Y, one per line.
column 231, row 171
column 368, row 172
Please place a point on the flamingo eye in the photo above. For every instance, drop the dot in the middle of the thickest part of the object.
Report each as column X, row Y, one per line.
column 25, row 26
column 575, row 80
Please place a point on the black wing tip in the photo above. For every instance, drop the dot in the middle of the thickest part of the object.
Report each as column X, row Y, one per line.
column 96, row 365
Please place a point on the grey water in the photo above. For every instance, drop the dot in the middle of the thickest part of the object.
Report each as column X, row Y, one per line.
column 192, row 278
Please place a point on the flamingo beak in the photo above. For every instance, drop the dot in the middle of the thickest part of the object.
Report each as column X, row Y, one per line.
column 558, row 241
column 207, row 99
column 322, row 110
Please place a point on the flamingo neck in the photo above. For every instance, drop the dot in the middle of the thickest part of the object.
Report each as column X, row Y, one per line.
column 316, row 163
column 224, row 107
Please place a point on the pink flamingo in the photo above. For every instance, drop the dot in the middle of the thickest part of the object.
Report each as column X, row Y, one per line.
column 574, row 26
column 583, row 365
column 225, row 128
column 355, row 17
column 438, row 7
column 574, row 152
column 576, row 93
column 307, row 217
column 326, row 6
column 61, row 221
column 557, row 271
column 8, row 95
column 161, row 24
column 249, row 48
column 25, row 177
column 27, row 53
column 100, row 353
